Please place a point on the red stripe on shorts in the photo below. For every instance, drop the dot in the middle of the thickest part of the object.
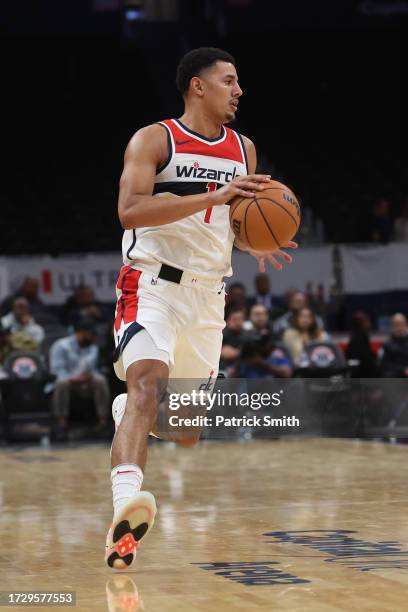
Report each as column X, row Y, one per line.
column 129, row 291
column 128, row 283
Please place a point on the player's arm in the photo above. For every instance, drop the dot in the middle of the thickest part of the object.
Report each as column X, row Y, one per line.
column 261, row 257
column 137, row 207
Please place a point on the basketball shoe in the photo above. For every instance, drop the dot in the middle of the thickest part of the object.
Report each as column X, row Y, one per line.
column 129, row 526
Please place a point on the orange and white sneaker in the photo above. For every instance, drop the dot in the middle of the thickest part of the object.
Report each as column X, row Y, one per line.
column 129, row 526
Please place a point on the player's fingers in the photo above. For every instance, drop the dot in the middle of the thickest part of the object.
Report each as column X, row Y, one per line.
column 274, row 262
column 290, row 245
column 251, row 185
column 263, row 178
column 288, row 258
column 261, row 263
column 246, row 194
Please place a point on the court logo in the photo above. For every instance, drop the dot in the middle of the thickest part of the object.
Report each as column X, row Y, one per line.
column 252, row 573
column 354, row 553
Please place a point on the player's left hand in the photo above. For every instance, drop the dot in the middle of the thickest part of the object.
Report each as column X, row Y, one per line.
column 273, row 256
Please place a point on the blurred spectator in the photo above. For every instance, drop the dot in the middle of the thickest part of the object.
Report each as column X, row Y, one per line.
column 236, row 298
column 29, row 291
column 295, row 301
column 5, row 344
column 305, row 329
column 258, row 322
column 74, row 361
column 401, row 224
column 359, row 347
column 234, row 337
column 263, row 295
column 316, row 299
column 83, row 304
column 25, row 333
column 394, row 360
column 260, row 358
column 379, row 223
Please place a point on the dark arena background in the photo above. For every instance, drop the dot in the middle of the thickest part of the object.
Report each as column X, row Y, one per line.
column 294, row 505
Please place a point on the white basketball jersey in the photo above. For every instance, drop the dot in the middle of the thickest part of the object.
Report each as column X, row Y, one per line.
column 201, row 243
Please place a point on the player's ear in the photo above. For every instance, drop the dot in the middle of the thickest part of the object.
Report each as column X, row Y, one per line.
column 196, row 85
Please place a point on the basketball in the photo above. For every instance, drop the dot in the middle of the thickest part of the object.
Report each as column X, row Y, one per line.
column 268, row 220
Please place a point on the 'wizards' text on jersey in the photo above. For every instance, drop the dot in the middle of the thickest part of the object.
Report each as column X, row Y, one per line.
column 201, row 243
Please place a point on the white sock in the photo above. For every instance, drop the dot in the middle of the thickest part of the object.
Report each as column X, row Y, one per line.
column 126, row 480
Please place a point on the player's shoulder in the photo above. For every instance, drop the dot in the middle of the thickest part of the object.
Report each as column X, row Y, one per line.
column 149, row 138
column 247, row 142
column 148, row 132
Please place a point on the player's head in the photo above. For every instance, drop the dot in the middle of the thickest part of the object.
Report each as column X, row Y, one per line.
column 258, row 316
column 85, row 332
column 262, row 284
column 207, row 76
column 399, row 326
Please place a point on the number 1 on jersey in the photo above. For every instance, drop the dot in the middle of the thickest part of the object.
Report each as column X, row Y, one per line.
column 210, row 187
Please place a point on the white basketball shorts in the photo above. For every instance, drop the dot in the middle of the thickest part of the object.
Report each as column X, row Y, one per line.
column 185, row 322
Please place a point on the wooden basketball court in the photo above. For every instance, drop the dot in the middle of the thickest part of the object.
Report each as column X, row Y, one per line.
column 309, row 525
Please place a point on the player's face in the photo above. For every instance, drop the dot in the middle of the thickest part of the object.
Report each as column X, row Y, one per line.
column 221, row 91
column 305, row 319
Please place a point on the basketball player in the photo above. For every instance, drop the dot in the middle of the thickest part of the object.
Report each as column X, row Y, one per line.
column 178, row 177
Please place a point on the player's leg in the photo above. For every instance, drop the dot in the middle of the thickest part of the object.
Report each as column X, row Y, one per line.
column 144, row 322
column 134, row 510
column 196, row 362
column 146, row 381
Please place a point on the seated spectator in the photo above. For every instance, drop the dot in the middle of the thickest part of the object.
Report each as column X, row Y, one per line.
column 25, row 333
column 74, row 362
column 263, row 295
column 296, row 301
column 83, row 304
column 234, row 336
column 5, row 345
column 359, row 347
column 401, row 224
column 315, row 299
column 29, row 291
column 305, row 329
column 260, row 358
column 235, row 299
column 258, row 322
column 394, row 360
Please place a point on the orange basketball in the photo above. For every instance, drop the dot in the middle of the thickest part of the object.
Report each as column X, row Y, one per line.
column 267, row 221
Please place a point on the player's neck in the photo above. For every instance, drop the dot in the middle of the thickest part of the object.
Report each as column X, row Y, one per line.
column 201, row 124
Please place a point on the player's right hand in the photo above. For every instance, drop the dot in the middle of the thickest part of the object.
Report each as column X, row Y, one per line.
column 246, row 186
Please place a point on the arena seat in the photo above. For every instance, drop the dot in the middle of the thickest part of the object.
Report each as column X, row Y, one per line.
column 26, row 404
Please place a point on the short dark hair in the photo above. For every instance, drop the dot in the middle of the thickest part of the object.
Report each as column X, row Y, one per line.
column 197, row 60
column 85, row 324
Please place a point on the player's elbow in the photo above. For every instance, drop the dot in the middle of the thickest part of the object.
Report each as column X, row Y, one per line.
column 128, row 215
column 125, row 221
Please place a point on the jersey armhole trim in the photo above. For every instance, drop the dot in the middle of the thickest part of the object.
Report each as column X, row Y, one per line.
column 170, row 146
column 243, row 149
